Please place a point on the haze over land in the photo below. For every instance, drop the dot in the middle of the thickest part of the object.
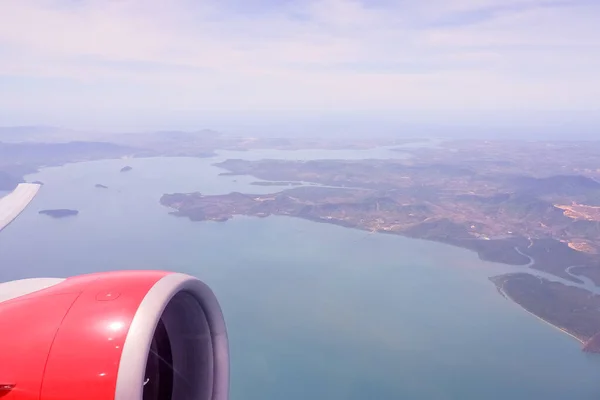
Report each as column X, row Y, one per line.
column 423, row 124
column 531, row 203
column 314, row 310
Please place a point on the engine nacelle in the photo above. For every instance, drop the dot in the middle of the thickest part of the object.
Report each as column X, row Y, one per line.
column 126, row 335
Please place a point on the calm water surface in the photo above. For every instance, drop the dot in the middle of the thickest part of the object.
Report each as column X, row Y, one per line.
column 313, row 310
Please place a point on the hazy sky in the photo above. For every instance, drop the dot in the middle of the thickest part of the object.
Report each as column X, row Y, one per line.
column 92, row 61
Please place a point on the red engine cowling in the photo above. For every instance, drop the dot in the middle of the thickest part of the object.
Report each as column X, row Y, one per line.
column 126, row 335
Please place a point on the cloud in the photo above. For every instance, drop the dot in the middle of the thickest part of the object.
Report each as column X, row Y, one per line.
column 320, row 54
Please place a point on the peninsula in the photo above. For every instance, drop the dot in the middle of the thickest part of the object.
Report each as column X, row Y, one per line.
column 492, row 198
column 572, row 310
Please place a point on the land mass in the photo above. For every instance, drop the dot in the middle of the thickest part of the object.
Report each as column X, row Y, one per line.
column 24, row 149
column 385, row 212
column 59, row 213
column 101, row 186
column 527, row 203
column 20, row 159
column 489, row 198
column 126, row 169
column 573, row 310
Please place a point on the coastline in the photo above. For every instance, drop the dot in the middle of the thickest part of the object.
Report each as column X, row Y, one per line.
column 482, row 257
column 483, row 252
column 563, row 330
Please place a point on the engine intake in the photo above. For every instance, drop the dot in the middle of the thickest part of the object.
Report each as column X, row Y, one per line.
column 123, row 335
column 177, row 347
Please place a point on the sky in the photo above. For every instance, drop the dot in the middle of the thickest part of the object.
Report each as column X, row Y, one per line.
column 138, row 63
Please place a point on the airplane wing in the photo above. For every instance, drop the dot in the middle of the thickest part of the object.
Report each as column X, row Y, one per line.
column 125, row 335
column 14, row 203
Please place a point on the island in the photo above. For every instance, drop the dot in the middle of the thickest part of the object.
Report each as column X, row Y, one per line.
column 126, row 169
column 101, row 186
column 59, row 213
column 540, row 215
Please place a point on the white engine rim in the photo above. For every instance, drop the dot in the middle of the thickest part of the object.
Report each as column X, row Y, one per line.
column 132, row 366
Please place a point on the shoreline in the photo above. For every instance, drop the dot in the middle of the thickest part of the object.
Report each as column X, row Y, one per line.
column 481, row 255
column 563, row 330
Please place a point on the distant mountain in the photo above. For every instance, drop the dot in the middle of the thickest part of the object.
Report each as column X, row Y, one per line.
column 166, row 136
column 445, row 170
column 26, row 131
column 46, row 134
column 440, row 229
column 520, row 206
column 567, row 185
column 50, row 153
column 54, row 134
column 19, row 159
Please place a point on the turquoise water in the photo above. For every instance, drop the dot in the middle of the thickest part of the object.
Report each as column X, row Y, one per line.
column 314, row 311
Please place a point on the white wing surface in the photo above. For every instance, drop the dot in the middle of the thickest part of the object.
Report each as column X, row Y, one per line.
column 14, row 203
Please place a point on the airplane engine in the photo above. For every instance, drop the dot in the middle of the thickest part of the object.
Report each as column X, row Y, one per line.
column 126, row 335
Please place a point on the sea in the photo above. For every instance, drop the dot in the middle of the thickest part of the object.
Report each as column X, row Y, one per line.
column 313, row 310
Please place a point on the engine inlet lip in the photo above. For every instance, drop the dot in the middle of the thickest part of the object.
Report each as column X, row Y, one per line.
column 132, row 366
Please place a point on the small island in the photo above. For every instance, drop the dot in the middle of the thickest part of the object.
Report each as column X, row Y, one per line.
column 101, row 186
column 59, row 213
column 126, row 168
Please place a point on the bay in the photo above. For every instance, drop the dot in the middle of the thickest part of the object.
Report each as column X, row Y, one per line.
column 313, row 310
